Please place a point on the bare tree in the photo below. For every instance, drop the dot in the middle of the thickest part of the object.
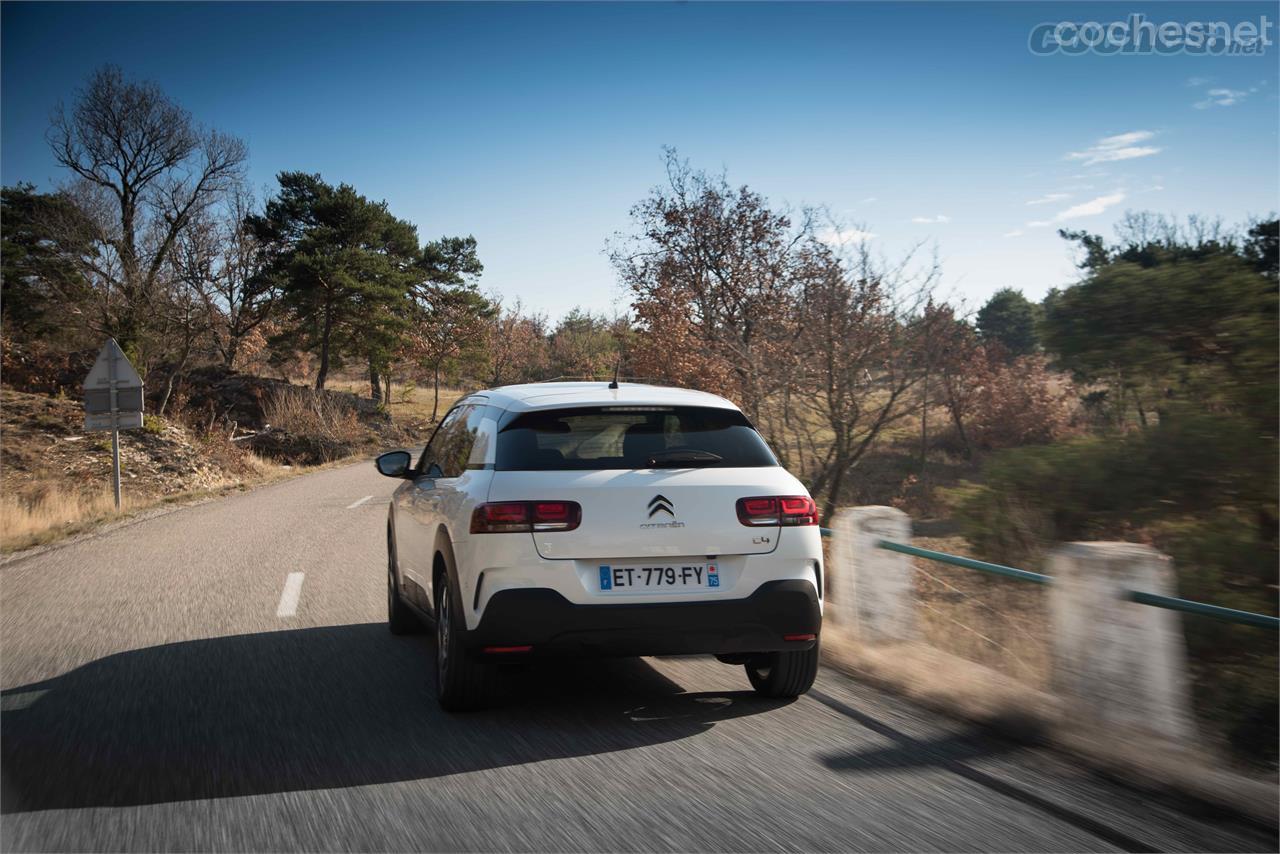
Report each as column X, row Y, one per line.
column 823, row 343
column 143, row 172
column 715, row 265
column 865, row 330
column 184, row 324
column 220, row 258
column 451, row 323
column 516, row 345
column 964, row 368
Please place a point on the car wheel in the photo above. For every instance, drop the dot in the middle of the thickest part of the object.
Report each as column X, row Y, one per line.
column 460, row 674
column 784, row 674
column 400, row 620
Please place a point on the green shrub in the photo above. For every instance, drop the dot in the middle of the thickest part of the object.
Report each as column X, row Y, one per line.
column 1111, row 485
column 1198, row 486
column 153, row 424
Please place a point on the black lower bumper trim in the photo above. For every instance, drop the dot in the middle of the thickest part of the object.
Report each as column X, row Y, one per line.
column 544, row 619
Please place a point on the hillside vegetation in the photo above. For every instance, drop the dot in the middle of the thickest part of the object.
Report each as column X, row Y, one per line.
column 234, row 432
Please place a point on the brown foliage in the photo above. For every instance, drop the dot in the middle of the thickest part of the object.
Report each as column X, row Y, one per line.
column 515, row 346
column 714, row 270
column 35, row 366
column 819, row 349
column 825, row 346
column 996, row 402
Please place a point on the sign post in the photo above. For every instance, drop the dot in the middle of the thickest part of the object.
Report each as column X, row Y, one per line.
column 113, row 401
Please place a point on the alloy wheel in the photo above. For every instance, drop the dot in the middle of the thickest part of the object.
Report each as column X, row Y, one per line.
column 443, row 631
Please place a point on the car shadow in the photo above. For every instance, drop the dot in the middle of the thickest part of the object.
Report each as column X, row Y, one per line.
column 311, row 709
column 957, row 747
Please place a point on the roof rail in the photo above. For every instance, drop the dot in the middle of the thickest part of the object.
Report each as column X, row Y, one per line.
column 596, row 379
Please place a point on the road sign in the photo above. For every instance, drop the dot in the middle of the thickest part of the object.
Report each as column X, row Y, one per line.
column 99, row 399
column 112, row 368
column 113, row 400
column 105, row 421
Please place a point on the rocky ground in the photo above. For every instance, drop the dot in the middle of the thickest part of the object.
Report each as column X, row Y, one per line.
column 43, row 439
column 55, row 477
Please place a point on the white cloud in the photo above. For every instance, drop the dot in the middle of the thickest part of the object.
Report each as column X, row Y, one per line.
column 1093, row 207
column 845, row 236
column 1222, row 98
column 868, row 200
column 928, row 220
column 1048, row 198
column 1017, row 232
column 1123, row 146
column 1122, row 139
column 1196, row 82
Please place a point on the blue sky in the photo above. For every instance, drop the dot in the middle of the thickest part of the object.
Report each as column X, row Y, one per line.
column 536, row 127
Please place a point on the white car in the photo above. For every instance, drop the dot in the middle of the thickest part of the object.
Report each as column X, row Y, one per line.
column 603, row 519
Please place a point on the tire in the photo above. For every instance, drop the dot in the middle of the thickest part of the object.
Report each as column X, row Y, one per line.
column 784, row 674
column 400, row 620
column 461, row 676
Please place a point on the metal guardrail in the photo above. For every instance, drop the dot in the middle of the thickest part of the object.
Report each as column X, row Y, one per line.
column 1215, row 612
column 967, row 563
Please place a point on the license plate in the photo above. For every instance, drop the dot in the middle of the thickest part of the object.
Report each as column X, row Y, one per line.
column 658, row 578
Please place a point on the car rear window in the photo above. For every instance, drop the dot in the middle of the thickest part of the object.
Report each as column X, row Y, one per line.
column 627, row 437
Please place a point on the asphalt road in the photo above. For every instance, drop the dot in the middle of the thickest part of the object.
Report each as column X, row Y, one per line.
column 154, row 698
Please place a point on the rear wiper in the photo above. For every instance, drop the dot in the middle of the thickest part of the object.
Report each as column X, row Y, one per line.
column 675, row 458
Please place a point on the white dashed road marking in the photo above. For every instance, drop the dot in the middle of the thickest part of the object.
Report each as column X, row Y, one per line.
column 289, row 598
column 356, row 504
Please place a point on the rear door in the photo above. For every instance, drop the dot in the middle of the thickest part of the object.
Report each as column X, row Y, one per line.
column 652, row 481
column 647, row 513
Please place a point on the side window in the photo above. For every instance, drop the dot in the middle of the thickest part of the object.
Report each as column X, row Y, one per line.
column 431, row 453
column 452, row 446
column 481, row 439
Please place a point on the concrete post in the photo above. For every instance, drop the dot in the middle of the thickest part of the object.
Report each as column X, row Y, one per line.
column 874, row 589
column 1115, row 661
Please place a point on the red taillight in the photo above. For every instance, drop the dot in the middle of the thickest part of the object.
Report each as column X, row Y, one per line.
column 801, row 637
column 502, row 650
column 799, row 510
column 769, row 511
column 555, row 515
column 512, row 517
column 761, row 511
column 507, row 518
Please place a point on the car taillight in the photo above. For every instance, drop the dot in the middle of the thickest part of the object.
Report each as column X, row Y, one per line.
column 768, row 511
column 512, row 517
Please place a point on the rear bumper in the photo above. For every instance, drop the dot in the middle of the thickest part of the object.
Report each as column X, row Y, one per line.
column 550, row 623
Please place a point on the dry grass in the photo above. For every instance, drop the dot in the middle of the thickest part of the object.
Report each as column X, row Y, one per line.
column 1000, row 623
column 55, row 479
column 943, row 681
column 46, row 511
column 410, row 405
column 305, row 412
